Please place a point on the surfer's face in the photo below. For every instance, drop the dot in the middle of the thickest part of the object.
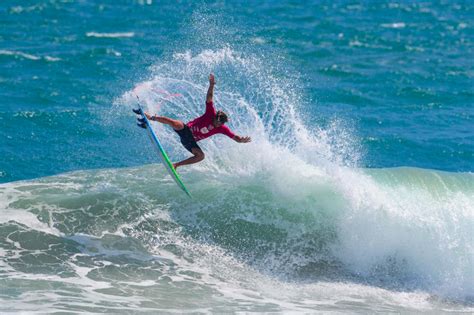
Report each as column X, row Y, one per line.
column 220, row 119
column 217, row 123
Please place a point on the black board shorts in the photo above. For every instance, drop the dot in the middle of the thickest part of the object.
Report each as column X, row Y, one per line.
column 187, row 139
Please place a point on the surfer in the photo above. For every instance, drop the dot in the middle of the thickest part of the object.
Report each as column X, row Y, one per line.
column 209, row 124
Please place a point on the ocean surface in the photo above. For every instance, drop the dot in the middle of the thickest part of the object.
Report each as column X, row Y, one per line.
column 356, row 194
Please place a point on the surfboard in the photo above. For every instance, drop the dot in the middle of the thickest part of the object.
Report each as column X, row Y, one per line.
column 161, row 152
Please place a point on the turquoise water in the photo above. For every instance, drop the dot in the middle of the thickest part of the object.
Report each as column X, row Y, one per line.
column 355, row 195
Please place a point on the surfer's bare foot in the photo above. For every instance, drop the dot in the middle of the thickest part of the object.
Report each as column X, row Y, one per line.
column 175, row 165
column 150, row 117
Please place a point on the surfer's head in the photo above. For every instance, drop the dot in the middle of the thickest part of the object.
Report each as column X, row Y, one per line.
column 220, row 119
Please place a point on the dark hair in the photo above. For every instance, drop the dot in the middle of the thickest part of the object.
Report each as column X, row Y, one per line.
column 221, row 117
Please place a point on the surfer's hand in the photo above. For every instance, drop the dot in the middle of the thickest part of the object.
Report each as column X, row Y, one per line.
column 243, row 139
column 246, row 139
column 211, row 79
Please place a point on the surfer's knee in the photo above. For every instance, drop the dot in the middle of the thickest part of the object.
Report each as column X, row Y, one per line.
column 198, row 154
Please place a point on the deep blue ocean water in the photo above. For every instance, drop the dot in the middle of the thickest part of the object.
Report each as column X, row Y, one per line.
column 356, row 194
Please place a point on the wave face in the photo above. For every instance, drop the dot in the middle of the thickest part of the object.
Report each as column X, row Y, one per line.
column 115, row 240
column 287, row 222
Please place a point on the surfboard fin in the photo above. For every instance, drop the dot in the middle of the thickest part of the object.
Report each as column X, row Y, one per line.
column 141, row 125
column 136, row 111
column 141, row 120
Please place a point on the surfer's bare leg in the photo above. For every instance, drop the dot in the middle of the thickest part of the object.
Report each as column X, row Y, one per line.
column 174, row 123
column 198, row 156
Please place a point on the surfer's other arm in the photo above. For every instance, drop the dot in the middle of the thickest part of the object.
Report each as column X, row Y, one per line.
column 240, row 139
column 210, row 90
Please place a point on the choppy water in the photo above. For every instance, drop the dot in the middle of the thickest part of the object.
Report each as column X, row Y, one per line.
column 356, row 194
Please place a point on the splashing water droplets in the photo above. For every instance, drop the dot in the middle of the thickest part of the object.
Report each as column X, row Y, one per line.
column 259, row 103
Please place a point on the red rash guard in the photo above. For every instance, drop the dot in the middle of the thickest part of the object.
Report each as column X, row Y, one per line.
column 203, row 128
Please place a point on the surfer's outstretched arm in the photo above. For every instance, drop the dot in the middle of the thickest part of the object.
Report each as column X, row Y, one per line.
column 210, row 90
